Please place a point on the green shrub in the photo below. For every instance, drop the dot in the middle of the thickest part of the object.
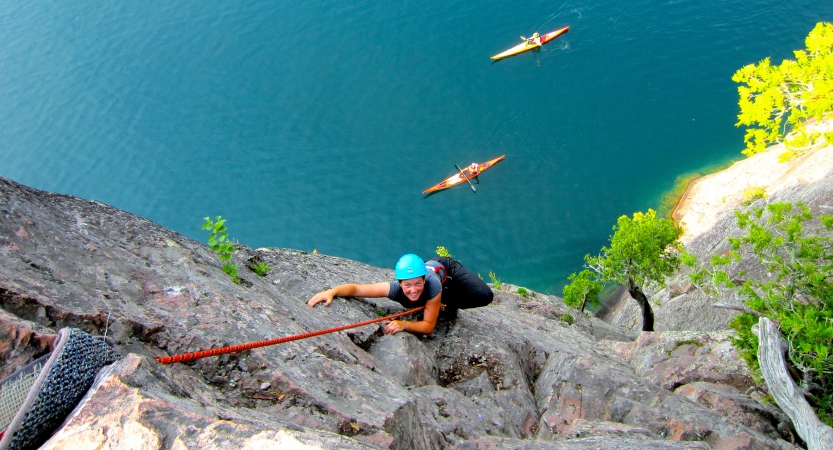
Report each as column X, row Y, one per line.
column 567, row 318
column 794, row 288
column 260, row 268
column 522, row 291
column 219, row 243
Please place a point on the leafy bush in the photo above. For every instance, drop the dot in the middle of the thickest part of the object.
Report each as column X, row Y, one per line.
column 794, row 288
column 219, row 243
column 568, row 318
column 522, row 291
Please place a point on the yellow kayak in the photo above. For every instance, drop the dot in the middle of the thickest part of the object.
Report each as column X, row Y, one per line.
column 526, row 46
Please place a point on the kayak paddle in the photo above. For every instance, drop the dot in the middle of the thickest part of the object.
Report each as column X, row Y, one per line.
column 464, row 176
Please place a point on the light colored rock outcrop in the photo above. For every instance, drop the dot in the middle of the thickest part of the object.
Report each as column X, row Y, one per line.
column 709, row 197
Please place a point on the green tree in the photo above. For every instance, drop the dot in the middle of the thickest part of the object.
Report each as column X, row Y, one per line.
column 793, row 286
column 582, row 289
column 644, row 251
column 776, row 102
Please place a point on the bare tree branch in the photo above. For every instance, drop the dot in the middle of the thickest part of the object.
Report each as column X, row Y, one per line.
column 740, row 308
column 815, row 433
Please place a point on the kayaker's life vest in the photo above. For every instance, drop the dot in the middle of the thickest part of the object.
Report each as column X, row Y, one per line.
column 437, row 268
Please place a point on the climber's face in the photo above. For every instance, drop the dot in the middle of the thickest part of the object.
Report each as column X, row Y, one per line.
column 412, row 287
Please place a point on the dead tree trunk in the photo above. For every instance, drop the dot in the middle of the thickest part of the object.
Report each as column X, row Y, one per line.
column 647, row 313
column 771, row 348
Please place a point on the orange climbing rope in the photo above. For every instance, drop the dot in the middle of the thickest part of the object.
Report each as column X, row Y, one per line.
column 239, row 348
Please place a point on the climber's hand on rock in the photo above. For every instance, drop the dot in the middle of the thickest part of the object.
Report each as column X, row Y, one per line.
column 395, row 326
column 323, row 296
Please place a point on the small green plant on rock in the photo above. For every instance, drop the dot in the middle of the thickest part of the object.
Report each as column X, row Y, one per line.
column 219, row 243
column 260, row 268
column 442, row 251
column 567, row 318
column 522, row 291
column 495, row 282
column 753, row 193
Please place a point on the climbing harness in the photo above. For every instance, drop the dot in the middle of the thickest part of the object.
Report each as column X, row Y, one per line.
column 239, row 348
column 439, row 269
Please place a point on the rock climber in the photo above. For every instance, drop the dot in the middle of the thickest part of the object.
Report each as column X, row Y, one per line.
column 440, row 282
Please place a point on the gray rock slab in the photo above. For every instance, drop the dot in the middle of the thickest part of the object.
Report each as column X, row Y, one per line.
column 742, row 409
column 405, row 359
column 131, row 405
column 449, row 418
column 591, row 443
column 504, row 371
column 580, row 387
column 673, row 358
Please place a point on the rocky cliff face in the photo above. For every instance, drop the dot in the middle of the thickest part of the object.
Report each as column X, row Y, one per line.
column 511, row 375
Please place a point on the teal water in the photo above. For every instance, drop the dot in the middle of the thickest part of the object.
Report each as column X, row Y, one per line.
column 317, row 124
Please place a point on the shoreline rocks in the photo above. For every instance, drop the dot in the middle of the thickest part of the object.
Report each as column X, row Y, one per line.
column 707, row 198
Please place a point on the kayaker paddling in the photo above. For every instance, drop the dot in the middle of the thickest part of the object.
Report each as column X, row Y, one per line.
column 534, row 40
column 439, row 281
column 473, row 170
column 531, row 43
column 464, row 175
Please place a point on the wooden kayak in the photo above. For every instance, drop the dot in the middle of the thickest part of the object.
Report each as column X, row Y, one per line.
column 466, row 175
column 526, row 46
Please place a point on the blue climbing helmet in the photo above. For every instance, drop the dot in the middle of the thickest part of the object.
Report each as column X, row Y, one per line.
column 410, row 266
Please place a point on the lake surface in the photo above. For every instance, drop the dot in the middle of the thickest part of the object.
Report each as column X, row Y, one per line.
column 317, row 124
